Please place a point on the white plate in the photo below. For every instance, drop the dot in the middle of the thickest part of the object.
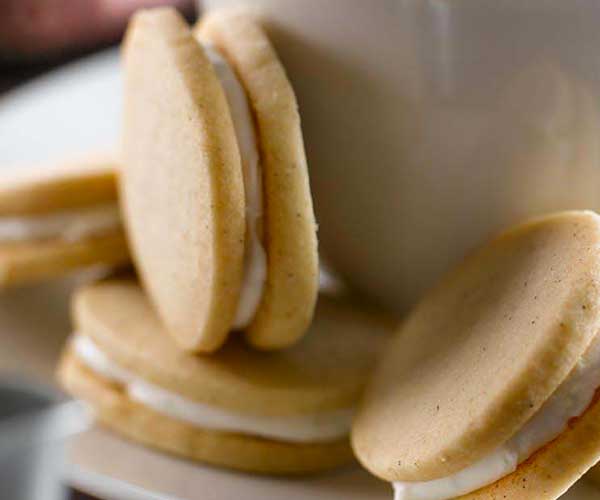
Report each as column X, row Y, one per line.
column 69, row 112
column 113, row 469
column 139, row 473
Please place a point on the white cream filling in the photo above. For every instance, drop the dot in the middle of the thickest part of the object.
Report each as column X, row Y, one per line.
column 255, row 259
column 70, row 225
column 570, row 400
column 302, row 429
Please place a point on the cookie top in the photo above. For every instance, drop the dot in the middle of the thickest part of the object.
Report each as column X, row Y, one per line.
column 325, row 371
column 76, row 184
column 289, row 223
column 181, row 185
column 483, row 350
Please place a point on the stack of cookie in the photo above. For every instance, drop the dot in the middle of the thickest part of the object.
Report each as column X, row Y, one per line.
column 223, row 353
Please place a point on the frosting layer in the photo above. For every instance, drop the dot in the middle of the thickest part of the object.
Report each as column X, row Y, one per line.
column 570, row 400
column 302, row 429
column 255, row 259
column 71, row 225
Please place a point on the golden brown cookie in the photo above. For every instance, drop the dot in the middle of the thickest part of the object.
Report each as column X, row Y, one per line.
column 490, row 367
column 291, row 244
column 181, row 185
column 206, row 238
column 58, row 220
column 281, row 412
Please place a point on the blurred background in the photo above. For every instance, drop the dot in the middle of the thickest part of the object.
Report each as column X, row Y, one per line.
column 37, row 35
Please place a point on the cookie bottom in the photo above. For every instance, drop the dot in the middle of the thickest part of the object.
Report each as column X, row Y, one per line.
column 28, row 262
column 237, row 451
column 552, row 470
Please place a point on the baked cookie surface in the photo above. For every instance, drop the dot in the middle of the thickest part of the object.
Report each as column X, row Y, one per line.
column 181, row 186
column 291, row 243
column 490, row 358
column 299, row 399
column 215, row 187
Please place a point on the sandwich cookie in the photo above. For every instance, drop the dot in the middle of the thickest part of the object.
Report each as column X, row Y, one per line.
column 58, row 221
column 489, row 390
column 215, row 189
column 282, row 413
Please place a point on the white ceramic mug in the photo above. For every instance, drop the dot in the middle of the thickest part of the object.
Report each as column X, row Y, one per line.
column 431, row 124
